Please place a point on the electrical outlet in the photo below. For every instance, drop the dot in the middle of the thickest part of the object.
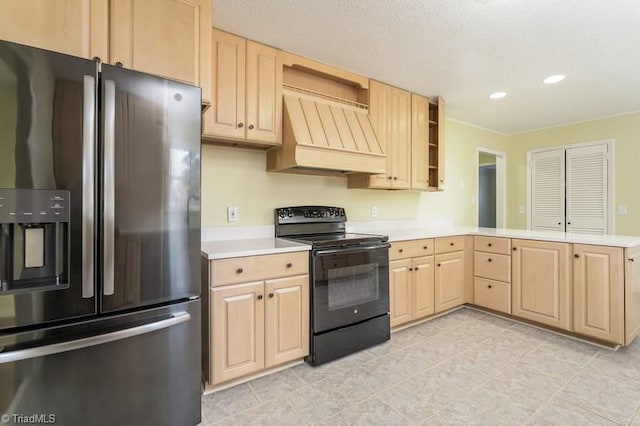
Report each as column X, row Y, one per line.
column 232, row 214
column 622, row 209
column 521, row 209
column 374, row 211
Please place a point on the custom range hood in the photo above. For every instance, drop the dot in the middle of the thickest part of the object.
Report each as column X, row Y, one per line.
column 324, row 131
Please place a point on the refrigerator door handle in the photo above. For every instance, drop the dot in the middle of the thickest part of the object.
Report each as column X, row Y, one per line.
column 88, row 184
column 86, row 342
column 109, row 187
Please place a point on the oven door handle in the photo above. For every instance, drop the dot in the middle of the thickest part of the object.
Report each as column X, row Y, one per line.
column 352, row 250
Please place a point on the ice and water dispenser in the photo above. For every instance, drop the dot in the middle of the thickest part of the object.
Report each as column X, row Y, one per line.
column 34, row 239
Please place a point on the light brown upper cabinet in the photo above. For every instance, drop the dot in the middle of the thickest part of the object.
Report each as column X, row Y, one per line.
column 541, row 287
column 168, row 38
column 246, row 92
column 427, row 143
column 75, row 27
column 390, row 114
column 436, row 145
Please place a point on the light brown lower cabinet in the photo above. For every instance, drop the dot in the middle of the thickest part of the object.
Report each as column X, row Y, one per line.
column 541, row 282
column 598, row 292
column 449, row 280
column 631, row 293
column 411, row 289
column 258, row 325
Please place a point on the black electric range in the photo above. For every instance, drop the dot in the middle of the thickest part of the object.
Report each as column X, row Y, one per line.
column 349, row 275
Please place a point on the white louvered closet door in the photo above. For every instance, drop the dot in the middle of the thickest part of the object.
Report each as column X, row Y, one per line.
column 587, row 187
column 547, row 190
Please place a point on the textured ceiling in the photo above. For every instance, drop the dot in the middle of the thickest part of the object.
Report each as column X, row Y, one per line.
column 463, row 50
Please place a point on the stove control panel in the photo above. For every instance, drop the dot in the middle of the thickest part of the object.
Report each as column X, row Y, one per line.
column 309, row 214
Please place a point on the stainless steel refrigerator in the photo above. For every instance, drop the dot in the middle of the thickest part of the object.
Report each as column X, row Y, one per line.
column 99, row 243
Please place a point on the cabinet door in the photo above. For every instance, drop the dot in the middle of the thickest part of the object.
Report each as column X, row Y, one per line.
column 400, row 139
column 225, row 118
column 541, row 282
column 423, row 287
column 263, row 94
column 168, row 38
column 237, row 315
column 598, row 292
column 379, row 114
column 449, row 280
column 286, row 319
column 400, row 291
column 419, row 142
column 632, row 293
column 74, row 27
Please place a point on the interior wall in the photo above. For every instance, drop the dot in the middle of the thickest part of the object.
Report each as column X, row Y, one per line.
column 234, row 176
column 624, row 129
column 487, row 196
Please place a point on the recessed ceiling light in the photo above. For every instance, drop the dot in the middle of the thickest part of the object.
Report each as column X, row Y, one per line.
column 553, row 79
column 497, row 95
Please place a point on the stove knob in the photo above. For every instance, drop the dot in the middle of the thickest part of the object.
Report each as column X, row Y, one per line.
column 290, row 213
column 281, row 214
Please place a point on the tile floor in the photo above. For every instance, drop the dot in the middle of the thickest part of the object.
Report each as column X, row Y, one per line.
column 464, row 368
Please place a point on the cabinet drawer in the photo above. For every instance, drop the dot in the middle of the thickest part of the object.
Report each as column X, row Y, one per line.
column 492, row 294
column 255, row 268
column 492, row 266
column 411, row 248
column 492, row 244
column 449, row 244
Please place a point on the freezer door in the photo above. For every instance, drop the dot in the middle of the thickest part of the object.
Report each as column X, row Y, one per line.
column 137, row 369
column 150, row 146
column 47, row 183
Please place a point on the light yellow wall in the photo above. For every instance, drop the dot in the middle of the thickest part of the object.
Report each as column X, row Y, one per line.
column 237, row 177
column 486, row 159
column 624, row 129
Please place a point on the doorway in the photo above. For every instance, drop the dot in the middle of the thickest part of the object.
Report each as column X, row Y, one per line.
column 491, row 188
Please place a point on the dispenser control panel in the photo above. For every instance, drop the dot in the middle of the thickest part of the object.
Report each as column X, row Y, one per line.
column 34, row 205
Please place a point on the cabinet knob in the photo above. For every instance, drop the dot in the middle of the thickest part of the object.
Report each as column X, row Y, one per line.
column 489, row 259
column 631, row 259
column 259, row 297
column 416, row 268
column 438, row 264
column 489, row 244
column 240, row 125
column 271, row 294
column 119, row 64
column 451, row 244
column 395, row 178
column 489, row 286
column 400, row 250
column 389, row 178
column 576, row 255
column 424, row 247
column 251, row 127
column 515, row 248
column 289, row 265
column 410, row 269
column 559, row 223
column 239, row 271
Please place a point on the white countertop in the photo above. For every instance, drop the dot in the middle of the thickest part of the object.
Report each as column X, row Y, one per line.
column 429, row 232
column 222, row 249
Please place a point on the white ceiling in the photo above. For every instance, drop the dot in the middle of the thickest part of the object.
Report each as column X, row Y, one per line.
column 463, row 50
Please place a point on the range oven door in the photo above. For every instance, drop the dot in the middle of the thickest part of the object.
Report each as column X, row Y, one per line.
column 349, row 285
